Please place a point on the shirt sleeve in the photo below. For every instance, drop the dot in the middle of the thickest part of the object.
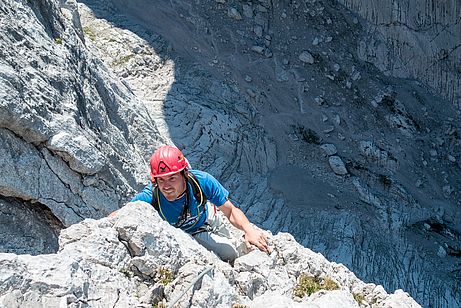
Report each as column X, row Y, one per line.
column 145, row 195
column 212, row 188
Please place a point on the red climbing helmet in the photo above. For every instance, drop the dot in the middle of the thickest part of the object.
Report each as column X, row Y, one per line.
column 166, row 160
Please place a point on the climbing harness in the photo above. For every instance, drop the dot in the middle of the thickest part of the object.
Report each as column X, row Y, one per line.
column 184, row 222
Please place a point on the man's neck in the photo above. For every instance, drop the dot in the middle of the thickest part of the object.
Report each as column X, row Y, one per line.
column 184, row 192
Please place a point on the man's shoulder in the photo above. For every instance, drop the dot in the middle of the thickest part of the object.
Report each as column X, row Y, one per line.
column 202, row 176
column 145, row 195
column 197, row 172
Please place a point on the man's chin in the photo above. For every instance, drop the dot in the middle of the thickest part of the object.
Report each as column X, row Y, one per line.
column 170, row 197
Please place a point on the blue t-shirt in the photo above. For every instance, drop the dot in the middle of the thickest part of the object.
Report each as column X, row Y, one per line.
column 171, row 211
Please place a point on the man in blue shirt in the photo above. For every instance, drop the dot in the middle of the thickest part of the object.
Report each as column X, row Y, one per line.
column 189, row 200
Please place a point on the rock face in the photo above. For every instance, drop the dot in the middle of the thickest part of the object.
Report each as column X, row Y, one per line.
column 68, row 127
column 137, row 259
column 414, row 39
column 88, row 90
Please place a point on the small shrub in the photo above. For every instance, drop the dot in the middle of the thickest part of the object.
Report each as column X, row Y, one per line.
column 90, row 33
column 307, row 285
column 58, row 40
column 127, row 273
column 308, row 135
column 359, row 298
column 384, row 180
column 122, row 60
column 238, row 306
column 159, row 305
column 164, row 275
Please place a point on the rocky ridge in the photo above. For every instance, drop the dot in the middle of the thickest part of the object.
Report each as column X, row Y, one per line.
column 135, row 259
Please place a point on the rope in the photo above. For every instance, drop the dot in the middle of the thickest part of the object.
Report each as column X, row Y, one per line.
column 206, row 270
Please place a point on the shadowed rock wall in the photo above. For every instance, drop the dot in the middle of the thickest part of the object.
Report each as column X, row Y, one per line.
column 414, row 39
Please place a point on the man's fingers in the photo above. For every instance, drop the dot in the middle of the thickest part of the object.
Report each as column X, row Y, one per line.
column 248, row 245
column 258, row 239
column 261, row 243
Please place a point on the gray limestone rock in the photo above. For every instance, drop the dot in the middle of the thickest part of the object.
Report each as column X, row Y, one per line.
column 110, row 262
column 337, row 165
column 247, row 11
column 306, row 57
column 330, row 149
column 234, row 14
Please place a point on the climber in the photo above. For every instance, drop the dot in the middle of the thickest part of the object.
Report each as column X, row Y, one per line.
column 189, row 200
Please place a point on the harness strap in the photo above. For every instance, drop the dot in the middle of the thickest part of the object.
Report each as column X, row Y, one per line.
column 198, row 195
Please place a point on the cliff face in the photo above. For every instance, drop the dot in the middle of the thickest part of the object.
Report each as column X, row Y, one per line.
column 414, row 39
column 68, row 127
column 271, row 98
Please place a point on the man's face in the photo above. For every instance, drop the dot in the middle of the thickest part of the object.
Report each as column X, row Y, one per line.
column 172, row 186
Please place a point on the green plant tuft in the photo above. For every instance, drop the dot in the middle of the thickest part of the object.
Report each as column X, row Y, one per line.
column 239, row 306
column 164, row 275
column 89, row 32
column 122, row 60
column 127, row 273
column 58, row 40
column 359, row 298
column 307, row 285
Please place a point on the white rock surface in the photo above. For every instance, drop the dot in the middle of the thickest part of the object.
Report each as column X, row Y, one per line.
column 118, row 261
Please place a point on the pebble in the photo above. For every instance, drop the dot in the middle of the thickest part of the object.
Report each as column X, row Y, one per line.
column 442, row 253
column 247, row 11
column 258, row 49
column 356, row 76
column 337, row 119
column 451, row 158
column 248, row 78
column 330, row 149
column 329, row 129
column 447, row 190
column 258, row 30
column 261, row 9
column 251, row 93
column 337, row 165
column 233, row 13
column 306, row 57
column 319, row 100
